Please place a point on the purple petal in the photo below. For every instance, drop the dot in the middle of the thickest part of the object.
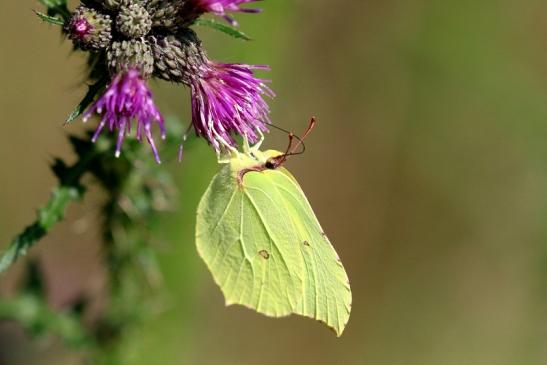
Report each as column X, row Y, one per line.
column 126, row 100
column 221, row 7
column 227, row 100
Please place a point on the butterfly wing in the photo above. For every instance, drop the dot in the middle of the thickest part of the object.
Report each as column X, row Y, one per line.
column 266, row 249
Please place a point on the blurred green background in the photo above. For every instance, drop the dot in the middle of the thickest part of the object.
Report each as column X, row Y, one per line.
column 427, row 170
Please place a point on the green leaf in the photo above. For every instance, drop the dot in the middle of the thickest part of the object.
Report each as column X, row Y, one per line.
column 48, row 216
column 231, row 31
column 259, row 236
column 53, row 3
column 89, row 97
column 53, row 212
column 50, row 19
column 56, row 7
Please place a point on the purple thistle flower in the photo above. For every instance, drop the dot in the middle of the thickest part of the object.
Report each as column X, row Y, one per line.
column 88, row 29
column 228, row 99
column 127, row 99
column 79, row 28
column 221, row 7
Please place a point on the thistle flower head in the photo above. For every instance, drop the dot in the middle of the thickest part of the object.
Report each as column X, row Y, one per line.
column 89, row 29
column 132, row 53
column 169, row 14
column 134, row 40
column 222, row 7
column 133, row 21
column 127, row 100
column 228, row 99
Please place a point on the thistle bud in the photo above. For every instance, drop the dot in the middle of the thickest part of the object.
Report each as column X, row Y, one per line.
column 130, row 54
column 165, row 13
column 178, row 58
column 88, row 29
column 133, row 21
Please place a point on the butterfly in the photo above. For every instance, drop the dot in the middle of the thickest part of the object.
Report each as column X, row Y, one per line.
column 263, row 244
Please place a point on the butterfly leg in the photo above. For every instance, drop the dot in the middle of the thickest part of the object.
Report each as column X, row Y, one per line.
column 246, row 147
column 258, row 144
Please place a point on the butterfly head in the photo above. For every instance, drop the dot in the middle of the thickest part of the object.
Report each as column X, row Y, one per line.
column 274, row 159
column 255, row 160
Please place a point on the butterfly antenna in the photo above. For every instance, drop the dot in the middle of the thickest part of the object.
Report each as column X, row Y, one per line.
column 290, row 151
column 284, row 131
column 287, row 153
column 311, row 126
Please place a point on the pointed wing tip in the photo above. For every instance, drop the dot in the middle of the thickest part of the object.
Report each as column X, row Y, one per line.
column 338, row 329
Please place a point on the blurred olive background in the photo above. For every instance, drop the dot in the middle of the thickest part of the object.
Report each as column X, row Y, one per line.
column 427, row 170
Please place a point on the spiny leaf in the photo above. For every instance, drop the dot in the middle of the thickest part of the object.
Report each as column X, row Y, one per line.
column 53, row 3
column 88, row 99
column 56, row 7
column 231, row 31
column 48, row 216
column 53, row 212
column 50, row 19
